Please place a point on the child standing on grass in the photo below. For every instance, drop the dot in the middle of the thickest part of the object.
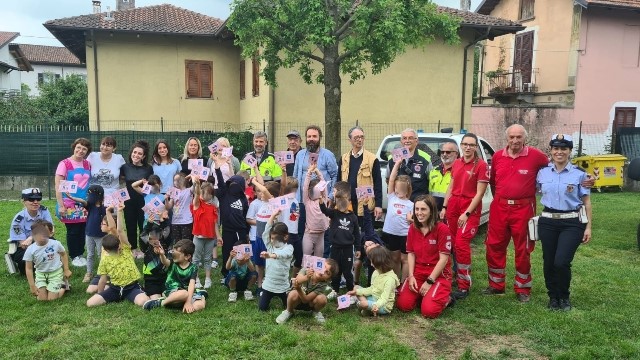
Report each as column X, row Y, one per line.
column 310, row 290
column 252, row 214
column 181, row 280
column 205, row 216
column 241, row 277
column 278, row 261
column 380, row 296
column 316, row 223
column 291, row 215
column 51, row 263
column 182, row 220
column 105, row 228
column 117, row 264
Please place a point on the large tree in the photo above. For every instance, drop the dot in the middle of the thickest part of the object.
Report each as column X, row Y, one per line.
column 345, row 37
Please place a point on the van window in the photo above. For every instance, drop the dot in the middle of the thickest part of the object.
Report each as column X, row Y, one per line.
column 488, row 151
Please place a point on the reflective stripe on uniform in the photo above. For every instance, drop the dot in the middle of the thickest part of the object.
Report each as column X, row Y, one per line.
column 497, row 271
column 496, row 279
column 523, row 276
column 523, row 285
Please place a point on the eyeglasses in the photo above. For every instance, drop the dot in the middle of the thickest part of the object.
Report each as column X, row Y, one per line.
column 447, row 151
column 359, row 137
column 468, row 145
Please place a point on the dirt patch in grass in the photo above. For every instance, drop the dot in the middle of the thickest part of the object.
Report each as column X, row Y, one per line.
column 455, row 342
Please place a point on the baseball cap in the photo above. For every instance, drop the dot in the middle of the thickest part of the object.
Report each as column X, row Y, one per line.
column 561, row 140
column 31, row 194
column 293, row 133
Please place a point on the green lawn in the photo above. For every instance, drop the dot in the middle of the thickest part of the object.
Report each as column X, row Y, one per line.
column 603, row 325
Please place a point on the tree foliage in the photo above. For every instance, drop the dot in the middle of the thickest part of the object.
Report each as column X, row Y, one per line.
column 61, row 102
column 344, row 37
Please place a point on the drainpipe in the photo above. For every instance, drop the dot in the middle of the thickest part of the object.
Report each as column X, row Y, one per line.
column 95, row 74
column 464, row 74
column 272, row 117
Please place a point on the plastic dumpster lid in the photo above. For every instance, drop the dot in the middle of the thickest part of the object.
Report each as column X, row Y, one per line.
column 599, row 157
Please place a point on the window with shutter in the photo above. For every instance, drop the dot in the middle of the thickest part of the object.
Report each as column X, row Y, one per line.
column 624, row 117
column 523, row 56
column 199, row 79
column 242, row 79
column 255, row 88
column 527, row 9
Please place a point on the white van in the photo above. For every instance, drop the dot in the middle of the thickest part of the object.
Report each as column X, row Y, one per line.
column 430, row 143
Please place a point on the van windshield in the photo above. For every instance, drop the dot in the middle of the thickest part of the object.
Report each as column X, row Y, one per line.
column 429, row 145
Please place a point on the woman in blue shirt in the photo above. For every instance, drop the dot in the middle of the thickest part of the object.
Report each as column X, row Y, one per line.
column 164, row 165
column 565, row 221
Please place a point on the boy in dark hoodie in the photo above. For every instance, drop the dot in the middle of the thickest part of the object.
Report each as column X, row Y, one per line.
column 233, row 209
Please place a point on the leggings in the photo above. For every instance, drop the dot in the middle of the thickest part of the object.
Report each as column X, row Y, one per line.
column 203, row 253
column 266, row 296
column 179, row 232
column 134, row 219
column 344, row 257
column 229, row 238
column 75, row 238
column 313, row 244
column 94, row 247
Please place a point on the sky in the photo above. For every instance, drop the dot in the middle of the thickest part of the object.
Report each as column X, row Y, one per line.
column 27, row 16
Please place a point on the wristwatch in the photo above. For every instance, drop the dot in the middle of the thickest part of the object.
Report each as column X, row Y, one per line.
column 468, row 214
column 430, row 281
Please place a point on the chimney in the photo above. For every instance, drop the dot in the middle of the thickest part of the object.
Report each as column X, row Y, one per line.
column 96, row 7
column 465, row 5
column 125, row 4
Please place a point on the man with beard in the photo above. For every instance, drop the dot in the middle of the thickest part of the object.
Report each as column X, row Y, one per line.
column 293, row 144
column 326, row 163
column 266, row 161
column 440, row 177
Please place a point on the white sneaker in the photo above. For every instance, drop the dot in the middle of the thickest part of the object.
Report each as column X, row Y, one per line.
column 353, row 300
column 233, row 296
column 207, row 283
column 319, row 317
column 332, row 295
column 77, row 262
column 198, row 283
column 222, row 281
column 248, row 295
column 214, row 264
column 283, row 317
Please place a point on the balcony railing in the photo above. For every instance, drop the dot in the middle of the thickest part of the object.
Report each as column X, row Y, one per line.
column 513, row 82
column 9, row 93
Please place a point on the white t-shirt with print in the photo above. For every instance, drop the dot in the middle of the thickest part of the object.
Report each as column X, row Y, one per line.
column 105, row 174
column 181, row 212
column 395, row 223
column 46, row 258
column 252, row 214
column 291, row 214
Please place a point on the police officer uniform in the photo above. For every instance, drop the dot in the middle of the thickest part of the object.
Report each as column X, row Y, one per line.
column 562, row 224
column 21, row 225
column 417, row 168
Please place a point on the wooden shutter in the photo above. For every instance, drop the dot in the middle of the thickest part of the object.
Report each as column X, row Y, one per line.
column 255, row 88
column 242, row 79
column 199, row 79
column 624, row 117
column 523, row 55
column 527, row 9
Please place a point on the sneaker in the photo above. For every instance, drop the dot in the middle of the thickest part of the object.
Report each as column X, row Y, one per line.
column 554, row 304
column 214, row 264
column 452, row 301
column 461, row 294
column 258, row 291
column 77, row 261
column 492, row 291
column 332, row 295
column 523, row 298
column 248, row 295
column 207, row 283
column 222, row 281
column 353, row 300
column 152, row 304
column 203, row 293
column 565, row 305
column 198, row 283
column 319, row 317
column 87, row 277
column 66, row 286
column 343, row 283
column 233, row 296
column 283, row 317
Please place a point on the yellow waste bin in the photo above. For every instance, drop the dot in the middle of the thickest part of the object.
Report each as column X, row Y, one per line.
column 607, row 169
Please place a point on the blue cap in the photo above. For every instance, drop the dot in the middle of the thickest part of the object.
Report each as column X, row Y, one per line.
column 561, row 140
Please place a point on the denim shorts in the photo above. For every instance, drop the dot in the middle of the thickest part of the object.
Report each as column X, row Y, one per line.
column 372, row 301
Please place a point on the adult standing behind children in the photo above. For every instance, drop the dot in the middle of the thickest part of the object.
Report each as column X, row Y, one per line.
column 105, row 166
column 265, row 161
column 417, row 167
column 137, row 168
column 192, row 151
column 164, row 165
column 440, row 176
column 231, row 167
column 71, row 213
column 293, row 145
column 20, row 232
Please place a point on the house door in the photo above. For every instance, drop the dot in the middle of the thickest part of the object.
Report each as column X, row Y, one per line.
column 522, row 59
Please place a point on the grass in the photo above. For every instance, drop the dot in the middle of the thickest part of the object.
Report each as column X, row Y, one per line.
column 603, row 325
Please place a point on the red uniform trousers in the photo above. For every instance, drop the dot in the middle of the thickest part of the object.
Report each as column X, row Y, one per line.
column 509, row 221
column 432, row 304
column 462, row 236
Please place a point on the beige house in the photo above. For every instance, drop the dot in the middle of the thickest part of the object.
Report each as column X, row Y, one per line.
column 164, row 66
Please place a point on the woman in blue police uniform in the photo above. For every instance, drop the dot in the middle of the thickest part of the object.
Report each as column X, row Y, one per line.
column 565, row 221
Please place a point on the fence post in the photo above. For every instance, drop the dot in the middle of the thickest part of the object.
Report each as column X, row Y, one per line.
column 580, row 140
column 162, row 124
column 48, row 161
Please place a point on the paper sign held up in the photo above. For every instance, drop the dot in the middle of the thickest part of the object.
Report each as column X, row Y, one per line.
column 242, row 250
column 313, row 159
column 70, row 187
column 146, row 189
column 400, row 154
column 227, row 152
column 250, row 160
column 284, row 157
column 213, row 147
column 364, row 191
column 193, row 163
column 279, row 203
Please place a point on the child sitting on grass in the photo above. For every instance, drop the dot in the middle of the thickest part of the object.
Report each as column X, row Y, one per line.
column 153, row 271
column 117, row 264
column 310, row 290
column 380, row 296
column 278, row 261
column 242, row 275
column 51, row 263
column 181, row 280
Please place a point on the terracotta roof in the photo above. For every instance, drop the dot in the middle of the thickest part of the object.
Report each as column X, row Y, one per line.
column 40, row 54
column 632, row 4
column 6, row 37
column 471, row 18
column 163, row 18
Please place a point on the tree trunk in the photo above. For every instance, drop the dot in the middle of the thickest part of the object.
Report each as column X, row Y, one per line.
column 332, row 99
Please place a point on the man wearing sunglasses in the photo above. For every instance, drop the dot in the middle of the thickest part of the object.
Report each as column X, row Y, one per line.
column 20, row 232
column 440, row 177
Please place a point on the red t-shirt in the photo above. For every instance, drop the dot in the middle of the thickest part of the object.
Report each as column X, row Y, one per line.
column 515, row 178
column 467, row 175
column 204, row 219
column 427, row 249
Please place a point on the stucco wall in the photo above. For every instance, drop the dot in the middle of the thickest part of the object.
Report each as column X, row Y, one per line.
column 10, row 80
column 31, row 77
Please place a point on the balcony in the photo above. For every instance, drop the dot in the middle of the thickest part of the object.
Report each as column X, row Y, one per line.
column 9, row 93
column 506, row 86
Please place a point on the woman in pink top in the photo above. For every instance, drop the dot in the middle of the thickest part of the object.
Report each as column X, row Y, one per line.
column 316, row 221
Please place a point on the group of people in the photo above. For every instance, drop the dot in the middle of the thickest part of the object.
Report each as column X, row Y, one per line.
column 319, row 237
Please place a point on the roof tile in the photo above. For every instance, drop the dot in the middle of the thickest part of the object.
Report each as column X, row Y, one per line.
column 472, row 18
column 48, row 54
column 616, row 3
column 6, row 37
